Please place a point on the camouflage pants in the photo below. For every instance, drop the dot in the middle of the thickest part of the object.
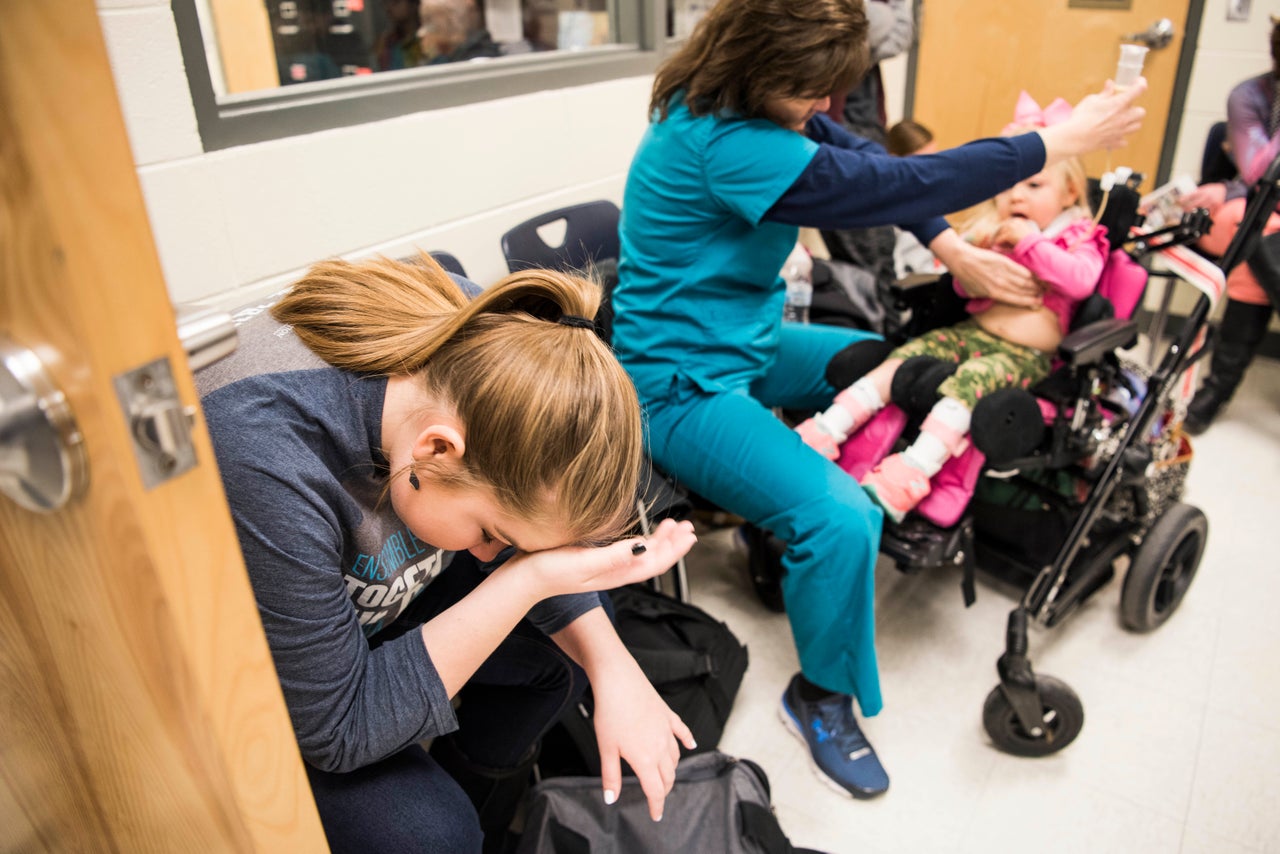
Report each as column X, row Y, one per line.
column 986, row 363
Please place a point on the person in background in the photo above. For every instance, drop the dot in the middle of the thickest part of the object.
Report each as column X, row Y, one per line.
column 1253, row 140
column 397, row 46
column 739, row 154
column 861, row 110
column 909, row 137
column 380, row 452
column 905, row 138
column 302, row 42
column 453, row 31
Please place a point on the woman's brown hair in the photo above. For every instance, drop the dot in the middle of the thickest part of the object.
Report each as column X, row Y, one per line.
column 745, row 52
column 551, row 420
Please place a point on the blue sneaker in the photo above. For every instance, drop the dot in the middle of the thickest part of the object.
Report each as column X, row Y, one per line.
column 840, row 752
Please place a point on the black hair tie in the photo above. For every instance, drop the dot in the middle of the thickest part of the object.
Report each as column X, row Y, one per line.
column 575, row 320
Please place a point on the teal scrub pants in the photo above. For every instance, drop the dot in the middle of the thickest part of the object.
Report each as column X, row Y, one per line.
column 728, row 447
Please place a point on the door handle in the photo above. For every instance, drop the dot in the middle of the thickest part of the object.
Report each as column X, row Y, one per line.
column 1156, row 36
column 43, row 463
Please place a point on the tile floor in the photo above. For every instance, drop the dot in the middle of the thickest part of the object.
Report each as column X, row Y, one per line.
column 1180, row 750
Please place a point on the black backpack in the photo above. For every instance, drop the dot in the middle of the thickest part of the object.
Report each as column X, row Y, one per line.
column 718, row 804
column 693, row 660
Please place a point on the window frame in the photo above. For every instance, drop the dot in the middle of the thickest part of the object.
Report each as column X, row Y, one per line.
column 288, row 111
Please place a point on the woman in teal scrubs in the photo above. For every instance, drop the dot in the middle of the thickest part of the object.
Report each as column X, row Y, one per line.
column 739, row 154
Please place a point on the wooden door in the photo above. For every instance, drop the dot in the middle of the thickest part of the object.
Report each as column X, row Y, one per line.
column 975, row 56
column 139, row 709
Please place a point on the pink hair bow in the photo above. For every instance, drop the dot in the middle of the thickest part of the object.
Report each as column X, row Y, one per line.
column 1028, row 114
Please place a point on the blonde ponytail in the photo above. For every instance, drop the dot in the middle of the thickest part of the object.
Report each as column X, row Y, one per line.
column 552, row 420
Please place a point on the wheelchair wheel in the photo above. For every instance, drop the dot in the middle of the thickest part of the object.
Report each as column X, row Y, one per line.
column 764, row 566
column 1063, row 720
column 1163, row 568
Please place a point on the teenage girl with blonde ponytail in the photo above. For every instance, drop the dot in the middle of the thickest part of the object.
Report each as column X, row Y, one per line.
column 380, row 450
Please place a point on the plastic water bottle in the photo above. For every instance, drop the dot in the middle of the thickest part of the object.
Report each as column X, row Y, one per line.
column 1129, row 68
column 799, row 294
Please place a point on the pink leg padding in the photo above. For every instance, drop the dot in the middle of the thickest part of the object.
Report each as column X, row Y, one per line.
column 952, row 488
column 953, row 439
column 853, row 405
column 864, row 450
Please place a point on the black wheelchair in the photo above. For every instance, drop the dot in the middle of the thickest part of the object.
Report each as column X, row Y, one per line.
column 1083, row 473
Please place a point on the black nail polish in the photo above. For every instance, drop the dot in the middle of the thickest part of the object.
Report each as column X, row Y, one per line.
column 639, row 549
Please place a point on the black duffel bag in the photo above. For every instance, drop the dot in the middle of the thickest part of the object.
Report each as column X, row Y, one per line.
column 694, row 661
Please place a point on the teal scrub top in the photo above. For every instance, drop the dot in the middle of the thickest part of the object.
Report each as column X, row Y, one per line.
column 699, row 291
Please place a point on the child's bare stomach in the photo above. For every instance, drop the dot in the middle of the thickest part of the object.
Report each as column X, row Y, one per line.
column 1036, row 328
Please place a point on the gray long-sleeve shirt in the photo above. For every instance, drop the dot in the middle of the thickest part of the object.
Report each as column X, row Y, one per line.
column 329, row 561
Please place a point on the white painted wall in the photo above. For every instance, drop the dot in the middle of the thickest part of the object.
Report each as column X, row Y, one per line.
column 235, row 224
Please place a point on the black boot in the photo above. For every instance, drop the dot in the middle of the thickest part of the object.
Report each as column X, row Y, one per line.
column 1239, row 337
column 495, row 792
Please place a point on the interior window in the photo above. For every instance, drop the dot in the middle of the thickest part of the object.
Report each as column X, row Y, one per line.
column 263, row 69
column 311, row 40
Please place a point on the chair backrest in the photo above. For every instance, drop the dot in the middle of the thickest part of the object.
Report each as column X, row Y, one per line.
column 590, row 235
column 450, row 263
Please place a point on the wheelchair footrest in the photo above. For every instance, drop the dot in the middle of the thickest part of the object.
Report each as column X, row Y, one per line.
column 916, row 543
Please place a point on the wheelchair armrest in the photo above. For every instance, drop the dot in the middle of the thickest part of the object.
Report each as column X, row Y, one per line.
column 911, row 281
column 1090, row 343
column 931, row 300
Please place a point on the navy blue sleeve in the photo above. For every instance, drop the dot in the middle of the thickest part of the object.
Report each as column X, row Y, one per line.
column 858, row 187
column 824, row 130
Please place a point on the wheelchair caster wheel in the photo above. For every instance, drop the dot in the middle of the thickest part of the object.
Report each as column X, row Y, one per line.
column 764, row 567
column 1063, row 720
column 1163, row 568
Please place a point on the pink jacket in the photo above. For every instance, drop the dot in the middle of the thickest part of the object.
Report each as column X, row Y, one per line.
column 1069, row 264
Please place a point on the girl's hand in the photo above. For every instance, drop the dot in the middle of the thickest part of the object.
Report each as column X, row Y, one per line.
column 1010, row 232
column 574, row 569
column 1207, row 196
column 633, row 723
column 986, row 274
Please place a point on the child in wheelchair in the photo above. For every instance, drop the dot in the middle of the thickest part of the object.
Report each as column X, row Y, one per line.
column 1043, row 223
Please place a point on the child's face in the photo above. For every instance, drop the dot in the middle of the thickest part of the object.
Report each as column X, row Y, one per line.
column 1039, row 198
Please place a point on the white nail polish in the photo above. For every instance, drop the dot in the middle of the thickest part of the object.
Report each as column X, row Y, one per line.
column 609, row 796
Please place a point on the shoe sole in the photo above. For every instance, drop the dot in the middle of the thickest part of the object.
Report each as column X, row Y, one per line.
column 794, row 729
column 889, row 513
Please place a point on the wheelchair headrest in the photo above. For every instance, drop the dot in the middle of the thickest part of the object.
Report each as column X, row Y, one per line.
column 1121, row 211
